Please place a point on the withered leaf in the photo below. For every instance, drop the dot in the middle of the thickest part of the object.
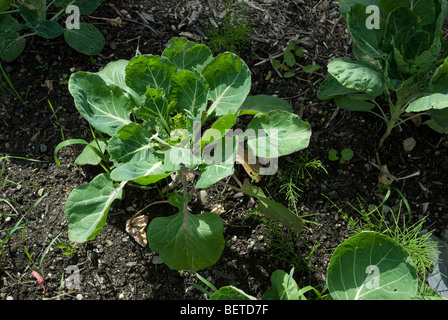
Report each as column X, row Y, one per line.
column 136, row 228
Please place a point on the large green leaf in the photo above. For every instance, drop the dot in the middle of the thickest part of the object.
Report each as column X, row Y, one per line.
column 213, row 173
column 32, row 12
column 231, row 293
column 229, row 80
column 354, row 102
column 149, row 70
column 418, row 55
column 439, row 80
column 371, row 266
column 105, row 106
column 190, row 91
column 34, row 16
column 4, row 5
column 218, row 129
column 284, row 287
column 344, row 5
column 177, row 156
column 155, row 104
column 367, row 40
column 356, row 75
column 331, row 88
column 87, row 207
column 86, row 7
column 142, row 172
column 48, row 29
column 435, row 101
column 273, row 209
column 87, row 39
column 277, row 133
column 403, row 22
column 187, row 55
column 11, row 46
column 115, row 72
column 92, row 154
column 438, row 121
column 425, row 9
column 263, row 103
column 131, row 143
column 187, row 241
column 220, row 158
column 9, row 24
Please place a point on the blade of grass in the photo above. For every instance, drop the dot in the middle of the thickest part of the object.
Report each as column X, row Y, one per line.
column 57, row 120
column 8, row 80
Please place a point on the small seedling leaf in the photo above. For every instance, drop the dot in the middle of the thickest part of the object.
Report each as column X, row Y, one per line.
column 87, row 39
column 310, row 69
column 333, row 155
column 347, row 154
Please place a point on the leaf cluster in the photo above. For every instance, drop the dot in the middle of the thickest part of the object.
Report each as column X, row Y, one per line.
column 292, row 53
column 35, row 17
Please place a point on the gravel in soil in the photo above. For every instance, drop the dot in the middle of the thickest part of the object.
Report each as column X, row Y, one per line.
column 113, row 265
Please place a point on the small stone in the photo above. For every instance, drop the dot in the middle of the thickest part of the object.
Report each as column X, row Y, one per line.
column 156, row 260
column 324, row 6
column 79, row 296
column 203, row 197
column 409, row 144
column 43, row 148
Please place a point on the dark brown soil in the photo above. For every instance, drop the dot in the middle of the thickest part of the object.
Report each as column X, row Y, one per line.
column 113, row 266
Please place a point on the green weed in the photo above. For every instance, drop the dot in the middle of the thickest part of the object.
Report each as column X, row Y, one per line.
column 232, row 32
column 395, row 223
column 295, row 174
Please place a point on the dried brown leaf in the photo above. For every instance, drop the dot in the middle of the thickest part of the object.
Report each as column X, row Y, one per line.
column 136, row 228
column 386, row 178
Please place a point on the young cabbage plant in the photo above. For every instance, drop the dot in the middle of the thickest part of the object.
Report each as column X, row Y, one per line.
column 169, row 115
column 400, row 55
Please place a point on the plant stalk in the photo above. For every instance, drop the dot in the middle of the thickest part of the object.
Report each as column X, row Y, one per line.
column 391, row 123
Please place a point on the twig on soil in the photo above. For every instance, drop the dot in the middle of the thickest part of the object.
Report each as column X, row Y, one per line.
column 142, row 24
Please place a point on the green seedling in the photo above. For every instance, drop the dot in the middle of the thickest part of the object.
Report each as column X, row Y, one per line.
column 9, row 82
column 232, row 32
column 67, row 248
column 290, row 64
column 401, row 60
column 150, row 111
column 20, row 20
column 283, row 287
column 345, row 156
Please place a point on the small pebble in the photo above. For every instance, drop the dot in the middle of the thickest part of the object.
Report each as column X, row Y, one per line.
column 79, row 296
column 203, row 197
column 157, row 260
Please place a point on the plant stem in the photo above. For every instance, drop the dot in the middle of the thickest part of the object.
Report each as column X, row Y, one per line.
column 395, row 112
column 8, row 12
column 183, row 174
